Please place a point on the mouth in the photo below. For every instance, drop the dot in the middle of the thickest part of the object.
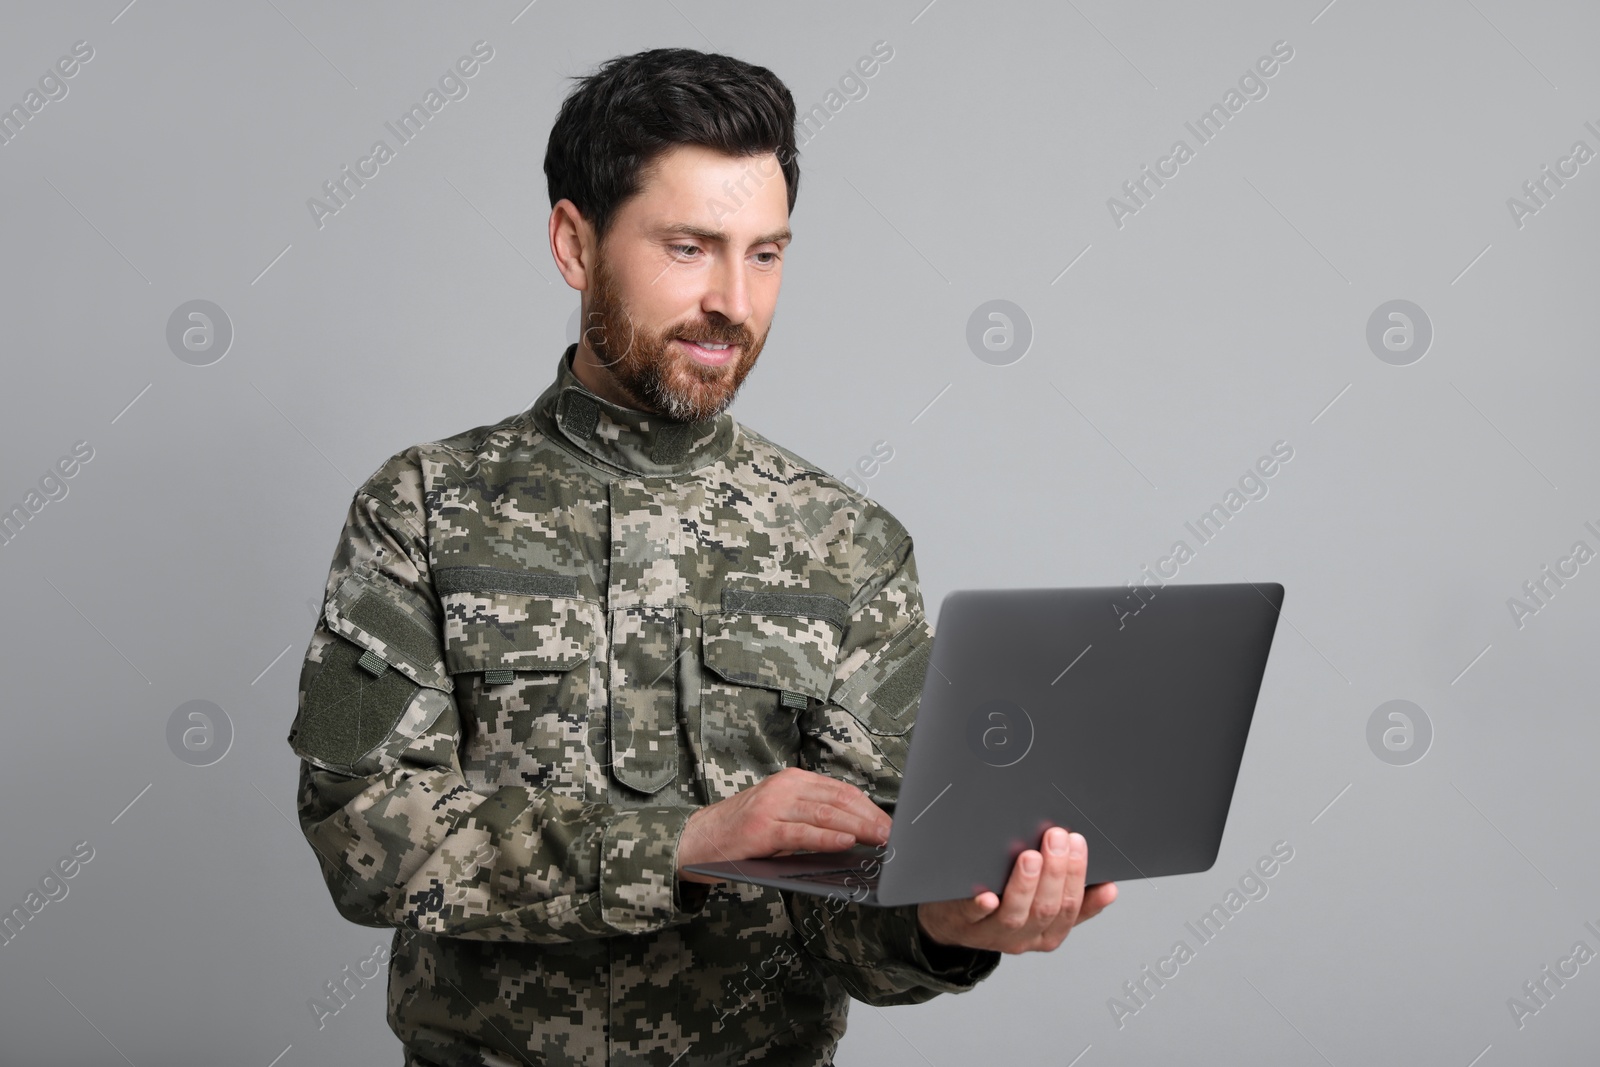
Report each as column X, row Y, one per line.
column 708, row 354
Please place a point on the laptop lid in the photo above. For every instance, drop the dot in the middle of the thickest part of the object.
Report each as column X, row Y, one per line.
column 1066, row 707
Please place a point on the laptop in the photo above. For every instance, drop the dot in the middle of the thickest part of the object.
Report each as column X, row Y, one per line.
column 1121, row 715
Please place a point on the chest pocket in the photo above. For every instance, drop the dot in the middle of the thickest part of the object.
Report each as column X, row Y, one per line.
column 517, row 645
column 766, row 655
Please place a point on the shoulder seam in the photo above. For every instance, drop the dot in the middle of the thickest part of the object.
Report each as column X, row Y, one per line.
column 393, row 511
column 872, row 566
column 413, row 453
column 887, row 551
column 793, row 458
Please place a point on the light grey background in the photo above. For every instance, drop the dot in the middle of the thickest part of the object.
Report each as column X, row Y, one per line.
column 1228, row 314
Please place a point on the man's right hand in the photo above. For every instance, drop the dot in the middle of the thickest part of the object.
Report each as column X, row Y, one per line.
column 785, row 812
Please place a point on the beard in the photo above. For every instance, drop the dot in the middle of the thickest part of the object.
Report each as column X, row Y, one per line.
column 660, row 376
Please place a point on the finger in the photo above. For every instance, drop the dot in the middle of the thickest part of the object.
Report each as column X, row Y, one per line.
column 810, row 818
column 871, row 822
column 977, row 908
column 839, row 805
column 1077, row 872
column 851, row 826
column 824, row 840
column 822, row 800
column 1017, row 901
column 1096, row 898
column 1048, row 900
column 1072, row 893
column 801, row 830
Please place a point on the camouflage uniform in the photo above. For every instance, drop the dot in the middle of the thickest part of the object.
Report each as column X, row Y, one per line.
column 544, row 644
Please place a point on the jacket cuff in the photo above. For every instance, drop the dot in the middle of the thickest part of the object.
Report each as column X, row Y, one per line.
column 955, row 966
column 639, row 887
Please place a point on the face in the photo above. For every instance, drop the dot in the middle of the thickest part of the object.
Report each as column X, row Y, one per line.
column 695, row 256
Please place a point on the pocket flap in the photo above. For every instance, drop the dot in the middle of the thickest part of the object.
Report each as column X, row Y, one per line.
column 785, row 652
column 392, row 623
column 494, row 630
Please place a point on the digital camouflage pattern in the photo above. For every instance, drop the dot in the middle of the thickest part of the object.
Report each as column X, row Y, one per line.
column 546, row 642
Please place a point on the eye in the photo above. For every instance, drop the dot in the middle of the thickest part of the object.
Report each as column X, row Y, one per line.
column 682, row 249
column 770, row 262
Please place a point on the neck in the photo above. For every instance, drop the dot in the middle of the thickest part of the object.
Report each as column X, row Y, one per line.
column 597, row 378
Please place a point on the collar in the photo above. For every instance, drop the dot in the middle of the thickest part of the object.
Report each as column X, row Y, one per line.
column 639, row 442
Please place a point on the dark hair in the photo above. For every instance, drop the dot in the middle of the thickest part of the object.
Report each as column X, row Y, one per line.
column 632, row 109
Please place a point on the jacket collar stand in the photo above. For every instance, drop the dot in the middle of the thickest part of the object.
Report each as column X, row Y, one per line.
column 638, row 442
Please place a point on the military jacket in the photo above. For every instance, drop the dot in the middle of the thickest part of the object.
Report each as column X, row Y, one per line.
column 544, row 643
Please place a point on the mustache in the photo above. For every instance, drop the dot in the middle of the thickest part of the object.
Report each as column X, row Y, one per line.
column 712, row 335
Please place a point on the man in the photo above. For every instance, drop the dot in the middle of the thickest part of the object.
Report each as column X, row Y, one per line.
column 564, row 655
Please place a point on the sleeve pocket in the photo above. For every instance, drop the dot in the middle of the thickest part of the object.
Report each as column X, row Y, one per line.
column 377, row 648
column 392, row 623
column 883, row 694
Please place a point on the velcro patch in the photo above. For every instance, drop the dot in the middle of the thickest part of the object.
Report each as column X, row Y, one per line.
column 348, row 712
column 807, row 605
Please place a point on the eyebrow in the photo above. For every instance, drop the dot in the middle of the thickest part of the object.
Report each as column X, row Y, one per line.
column 704, row 234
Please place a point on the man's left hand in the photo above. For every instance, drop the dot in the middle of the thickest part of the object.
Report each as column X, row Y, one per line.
column 1039, row 909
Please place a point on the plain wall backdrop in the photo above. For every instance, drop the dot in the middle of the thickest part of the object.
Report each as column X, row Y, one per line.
column 1170, row 343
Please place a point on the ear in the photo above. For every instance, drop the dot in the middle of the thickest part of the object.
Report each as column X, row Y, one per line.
column 572, row 244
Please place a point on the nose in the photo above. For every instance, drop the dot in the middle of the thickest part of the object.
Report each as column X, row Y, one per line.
column 728, row 293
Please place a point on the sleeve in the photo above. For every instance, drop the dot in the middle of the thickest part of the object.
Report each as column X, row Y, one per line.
column 862, row 735
column 402, row 839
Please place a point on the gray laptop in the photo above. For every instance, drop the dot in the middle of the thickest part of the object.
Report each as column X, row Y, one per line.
column 1118, row 715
